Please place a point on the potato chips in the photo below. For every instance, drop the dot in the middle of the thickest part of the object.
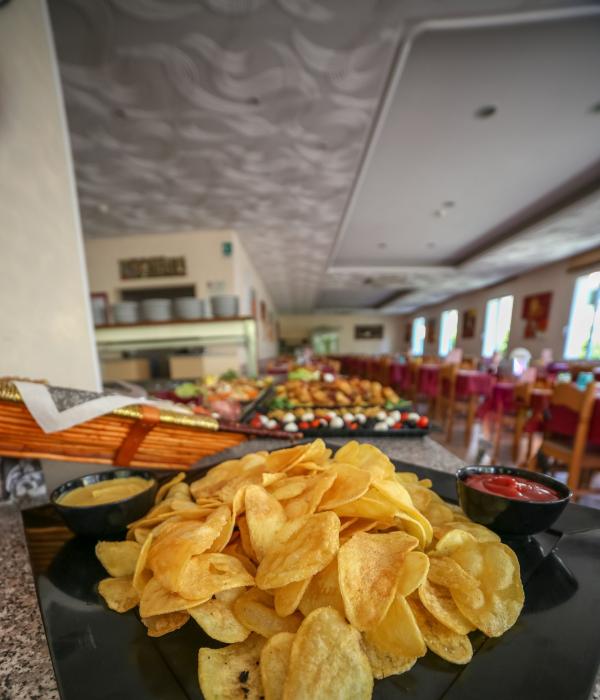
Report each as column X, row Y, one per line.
column 320, row 572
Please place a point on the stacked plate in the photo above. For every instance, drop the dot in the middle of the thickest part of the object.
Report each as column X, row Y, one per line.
column 157, row 310
column 126, row 312
column 224, row 305
column 189, row 308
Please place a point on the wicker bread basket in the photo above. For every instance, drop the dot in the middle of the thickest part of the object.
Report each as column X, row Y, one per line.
column 134, row 436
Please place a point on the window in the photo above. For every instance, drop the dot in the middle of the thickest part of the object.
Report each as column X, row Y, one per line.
column 496, row 329
column 448, row 329
column 417, row 342
column 583, row 335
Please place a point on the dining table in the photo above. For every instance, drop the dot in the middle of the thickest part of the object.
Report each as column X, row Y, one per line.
column 428, row 380
column 399, row 376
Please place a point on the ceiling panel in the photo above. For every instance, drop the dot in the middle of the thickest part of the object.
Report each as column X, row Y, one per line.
column 359, row 295
column 441, row 181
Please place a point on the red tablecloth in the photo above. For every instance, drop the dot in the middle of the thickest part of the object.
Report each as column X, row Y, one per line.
column 471, row 382
column 560, row 419
column 540, row 400
column 501, row 398
column 399, row 376
column 563, row 421
column 429, row 379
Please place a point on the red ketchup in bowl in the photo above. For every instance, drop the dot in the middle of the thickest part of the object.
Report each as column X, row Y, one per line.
column 515, row 487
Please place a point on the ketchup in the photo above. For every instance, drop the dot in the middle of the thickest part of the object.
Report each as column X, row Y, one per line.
column 515, row 487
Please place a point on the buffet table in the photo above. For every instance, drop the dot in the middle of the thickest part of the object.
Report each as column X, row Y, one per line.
column 172, row 335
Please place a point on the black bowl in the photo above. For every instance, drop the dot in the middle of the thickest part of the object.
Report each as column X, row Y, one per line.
column 507, row 516
column 108, row 520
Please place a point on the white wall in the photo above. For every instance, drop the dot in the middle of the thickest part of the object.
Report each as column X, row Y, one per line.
column 205, row 263
column 45, row 324
column 294, row 328
column 554, row 278
column 203, row 252
column 247, row 278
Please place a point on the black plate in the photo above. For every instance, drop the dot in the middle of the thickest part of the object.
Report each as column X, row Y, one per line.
column 365, row 432
column 551, row 653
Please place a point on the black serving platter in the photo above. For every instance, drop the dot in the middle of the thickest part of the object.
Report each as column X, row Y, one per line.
column 552, row 653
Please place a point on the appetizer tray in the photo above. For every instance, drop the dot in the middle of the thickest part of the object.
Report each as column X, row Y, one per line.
column 551, row 653
column 370, row 426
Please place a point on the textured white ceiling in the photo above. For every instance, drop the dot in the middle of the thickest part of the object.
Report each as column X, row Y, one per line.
column 240, row 114
column 575, row 229
column 255, row 115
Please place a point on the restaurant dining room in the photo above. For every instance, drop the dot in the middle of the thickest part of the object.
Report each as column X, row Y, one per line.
column 299, row 349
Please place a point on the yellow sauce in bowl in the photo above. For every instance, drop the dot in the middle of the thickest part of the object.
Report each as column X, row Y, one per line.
column 108, row 491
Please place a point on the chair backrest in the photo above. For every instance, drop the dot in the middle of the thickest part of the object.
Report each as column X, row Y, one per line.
column 468, row 363
column 580, row 402
column 523, row 393
column 448, row 381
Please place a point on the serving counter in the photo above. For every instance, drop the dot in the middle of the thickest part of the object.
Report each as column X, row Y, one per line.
column 177, row 335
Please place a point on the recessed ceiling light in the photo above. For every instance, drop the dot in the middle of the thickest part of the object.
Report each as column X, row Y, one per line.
column 486, row 111
column 382, row 245
column 431, row 244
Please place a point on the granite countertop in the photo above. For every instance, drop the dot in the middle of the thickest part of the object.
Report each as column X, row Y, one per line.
column 423, row 452
column 26, row 671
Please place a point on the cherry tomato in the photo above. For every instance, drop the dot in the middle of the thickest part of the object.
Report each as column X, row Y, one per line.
column 353, row 426
column 316, row 423
column 404, row 416
column 256, row 422
column 304, row 425
column 423, row 422
column 397, row 425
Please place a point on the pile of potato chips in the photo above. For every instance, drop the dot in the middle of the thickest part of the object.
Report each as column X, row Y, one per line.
column 320, row 572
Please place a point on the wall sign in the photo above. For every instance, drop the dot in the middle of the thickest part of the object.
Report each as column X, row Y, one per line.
column 469, row 320
column 536, row 312
column 160, row 266
column 368, row 332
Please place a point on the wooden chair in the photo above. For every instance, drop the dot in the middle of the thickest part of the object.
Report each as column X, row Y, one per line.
column 451, row 405
column 413, row 375
column 572, row 451
column 445, row 399
column 383, row 370
column 513, row 421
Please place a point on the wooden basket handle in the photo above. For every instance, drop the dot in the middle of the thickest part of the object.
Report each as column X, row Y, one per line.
column 134, row 438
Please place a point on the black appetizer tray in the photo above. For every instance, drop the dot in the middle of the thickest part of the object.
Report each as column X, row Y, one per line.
column 365, row 433
column 552, row 653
